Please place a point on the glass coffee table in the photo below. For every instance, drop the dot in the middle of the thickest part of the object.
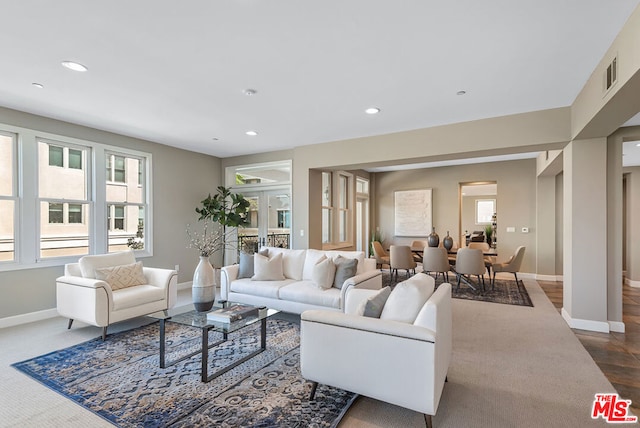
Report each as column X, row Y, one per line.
column 188, row 316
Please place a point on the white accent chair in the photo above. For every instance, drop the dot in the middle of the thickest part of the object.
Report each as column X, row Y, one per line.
column 81, row 296
column 422, row 349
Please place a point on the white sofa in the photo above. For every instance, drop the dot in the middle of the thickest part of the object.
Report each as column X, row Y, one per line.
column 79, row 295
column 400, row 362
column 297, row 291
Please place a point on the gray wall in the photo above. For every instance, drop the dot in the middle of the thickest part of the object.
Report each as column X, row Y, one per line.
column 181, row 179
column 516, row 201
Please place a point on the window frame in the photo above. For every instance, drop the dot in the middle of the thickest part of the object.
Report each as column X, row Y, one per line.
column 26, row 200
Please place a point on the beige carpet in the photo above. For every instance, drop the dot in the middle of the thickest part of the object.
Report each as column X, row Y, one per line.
column 512, row 366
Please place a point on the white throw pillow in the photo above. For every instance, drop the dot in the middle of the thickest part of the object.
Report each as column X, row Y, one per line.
column 407, row 298
column 292, row 261
column 88, row 264
column 323, row 273
column 267, row 269
column 124, row 276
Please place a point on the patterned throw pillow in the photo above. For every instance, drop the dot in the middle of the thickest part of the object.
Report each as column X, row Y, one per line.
column 123, row 276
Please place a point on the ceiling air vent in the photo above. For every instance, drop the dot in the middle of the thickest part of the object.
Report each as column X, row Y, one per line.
column 612, row 74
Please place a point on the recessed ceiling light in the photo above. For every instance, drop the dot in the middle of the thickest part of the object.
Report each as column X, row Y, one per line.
column 75, row 66
column 250, row 92
column 461, row 92
column 372, row 110
column 252, row 133
column 215, row 138
column 38, row 85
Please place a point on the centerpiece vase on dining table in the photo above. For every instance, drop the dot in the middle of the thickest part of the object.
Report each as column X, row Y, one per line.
column 433, row 239
column 447, row 242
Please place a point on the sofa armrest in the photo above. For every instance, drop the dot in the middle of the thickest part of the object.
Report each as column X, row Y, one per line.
column 368, row 324
column 79, row 281
column 166, row 279
column 371, row 280
column 228, row 274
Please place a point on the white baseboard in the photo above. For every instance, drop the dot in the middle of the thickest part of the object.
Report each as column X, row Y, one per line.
column 616, row 326
column 632, row 283
column 553, row 278
column 591, row 325
column 27, row 318
column 52, row 313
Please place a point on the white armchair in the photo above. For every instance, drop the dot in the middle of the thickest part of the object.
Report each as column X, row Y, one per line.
column 101, row 302
column 353, row 352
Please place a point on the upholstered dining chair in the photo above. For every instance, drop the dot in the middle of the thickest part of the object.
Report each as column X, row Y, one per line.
column 488, row 260
column 401, row 257
column 512, row 265
column 469, row 261
column 418, row 247
column 382, row 257
column 436, row 260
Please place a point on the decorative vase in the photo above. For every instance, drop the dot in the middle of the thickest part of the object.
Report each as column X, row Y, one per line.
column 203, row 289
column 433, row 239
column 447, row 242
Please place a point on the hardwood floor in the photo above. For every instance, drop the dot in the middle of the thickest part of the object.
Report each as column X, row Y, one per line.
column 617, row 354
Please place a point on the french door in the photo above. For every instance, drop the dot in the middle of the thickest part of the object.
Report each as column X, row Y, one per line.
column 269, row 220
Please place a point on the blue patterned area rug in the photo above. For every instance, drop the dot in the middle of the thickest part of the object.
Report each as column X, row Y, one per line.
column 120, row 380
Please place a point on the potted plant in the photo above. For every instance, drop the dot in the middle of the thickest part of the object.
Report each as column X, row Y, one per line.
column 229, row 210
column 488, row 231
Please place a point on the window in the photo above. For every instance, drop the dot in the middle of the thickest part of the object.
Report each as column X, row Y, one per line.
column 336, row 208
column 284, row 219
column 72, row 199
column 55, row 213
column 484, row 210
column 116, row 169
column 64, row 195
column 75, row 159
column 8, row 200
column 55, row 156
column 127, row 201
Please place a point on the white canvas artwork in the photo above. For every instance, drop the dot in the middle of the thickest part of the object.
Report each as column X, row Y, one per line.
column 413, row 213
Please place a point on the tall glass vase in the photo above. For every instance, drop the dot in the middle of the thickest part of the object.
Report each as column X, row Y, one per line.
column 203, row 289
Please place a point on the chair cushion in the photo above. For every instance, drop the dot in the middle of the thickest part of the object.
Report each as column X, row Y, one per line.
column 135, row 296
column 407, row 298
column 88, row 264
column 323, row 273
column 122, row 276
column 267, row 268
column 372, row 307
column 345, row 269
column 307, row 292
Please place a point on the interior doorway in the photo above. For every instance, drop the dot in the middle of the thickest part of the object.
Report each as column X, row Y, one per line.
column 269, row 220
column 478, row 203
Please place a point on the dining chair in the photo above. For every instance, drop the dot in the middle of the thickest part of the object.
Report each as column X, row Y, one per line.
column 401, row 257
column 488, row 260
column 382, row 257
column 512, row 265
column 436, row 260
column 469, row 261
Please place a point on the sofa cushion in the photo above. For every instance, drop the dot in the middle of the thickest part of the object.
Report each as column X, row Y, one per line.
column 292, row 261
column 122, row 276
column 268, row 289
column 139, row 295
column 311, row 258
column 345, row 268
column 267, row 268
column 307, row 292
column 323, row 273
column 88, row 264
column 407, row 298
column 372, row 307
column 359, row 255
column 245, row 270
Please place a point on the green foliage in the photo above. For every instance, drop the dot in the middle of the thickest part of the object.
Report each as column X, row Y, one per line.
column 375, row 236
column 488, row 230
column 225, row 208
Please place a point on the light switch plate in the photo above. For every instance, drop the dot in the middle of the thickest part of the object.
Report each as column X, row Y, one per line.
column 511, row 229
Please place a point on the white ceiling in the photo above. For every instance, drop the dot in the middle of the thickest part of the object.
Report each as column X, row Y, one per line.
column 175, row 72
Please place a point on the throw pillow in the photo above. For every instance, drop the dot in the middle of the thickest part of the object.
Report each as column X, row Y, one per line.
column 407, row 298
column 246, row 263
column 372, row 307
column 119, row 277
column 323, row 273
column 345, row 269
column 267, row 269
